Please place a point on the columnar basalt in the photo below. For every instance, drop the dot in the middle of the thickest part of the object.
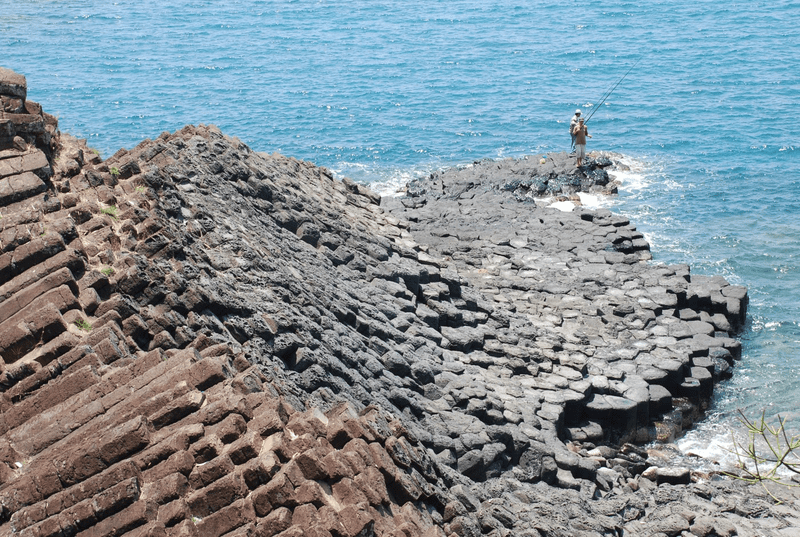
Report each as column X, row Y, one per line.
column 626, row 349
column 129, row 405
column 199, row 339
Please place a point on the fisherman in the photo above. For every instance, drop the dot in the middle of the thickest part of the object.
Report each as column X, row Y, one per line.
column 580, row 133
column 572, row 123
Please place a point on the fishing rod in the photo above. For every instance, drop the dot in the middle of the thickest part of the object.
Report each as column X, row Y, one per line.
column 601, row 100
column 609, row 92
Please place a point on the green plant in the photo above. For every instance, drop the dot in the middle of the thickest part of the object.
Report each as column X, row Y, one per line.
column 110, row 211
column 140, row 189
column 83, row 325
column 768, row 450
column 108, row 271
column 114, row 171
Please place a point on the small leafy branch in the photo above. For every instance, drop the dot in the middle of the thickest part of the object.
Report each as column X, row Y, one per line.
column 779, row 452
column 108, row 271
column 110, row 211
column 83, row 325
column 114, row 171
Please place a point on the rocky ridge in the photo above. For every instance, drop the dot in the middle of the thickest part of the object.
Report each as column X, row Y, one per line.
column 198, row 339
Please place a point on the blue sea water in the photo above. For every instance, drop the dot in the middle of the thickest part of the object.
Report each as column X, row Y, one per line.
column 383, row 92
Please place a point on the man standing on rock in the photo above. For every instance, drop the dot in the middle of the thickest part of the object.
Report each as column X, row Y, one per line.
column 572, row 123
column 580, row 133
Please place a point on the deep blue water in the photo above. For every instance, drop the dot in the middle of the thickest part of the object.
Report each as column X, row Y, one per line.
column 384, row 91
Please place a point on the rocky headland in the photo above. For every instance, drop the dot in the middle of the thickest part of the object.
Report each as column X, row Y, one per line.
column 197, row 339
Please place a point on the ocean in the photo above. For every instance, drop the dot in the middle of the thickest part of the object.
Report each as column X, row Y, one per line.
column 386, row 92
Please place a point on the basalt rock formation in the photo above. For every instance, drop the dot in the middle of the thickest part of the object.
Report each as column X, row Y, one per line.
column 199, row 339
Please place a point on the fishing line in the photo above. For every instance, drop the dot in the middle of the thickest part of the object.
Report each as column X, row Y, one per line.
column 610, row 91
column 602, row 99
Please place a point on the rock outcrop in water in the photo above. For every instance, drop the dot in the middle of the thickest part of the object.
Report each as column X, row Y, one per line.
column 198, row 339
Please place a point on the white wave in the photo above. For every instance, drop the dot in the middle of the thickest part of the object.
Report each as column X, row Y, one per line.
column 593, row 201
column 394, row 185
column 638, row 174
column 629, row 180
column 722, row 447
column 590, row 201
column 712, row 444
column 386, row 181
column 631, row 173
column 563, row 206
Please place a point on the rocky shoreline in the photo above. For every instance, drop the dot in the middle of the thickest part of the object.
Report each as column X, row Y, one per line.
column 631, row 348
column 199, row 339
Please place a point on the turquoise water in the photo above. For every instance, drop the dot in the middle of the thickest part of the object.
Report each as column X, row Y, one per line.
column 382, row 92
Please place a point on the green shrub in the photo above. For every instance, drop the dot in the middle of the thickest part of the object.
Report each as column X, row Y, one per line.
column 110, row 211
column 83, row 325
column 768, row 450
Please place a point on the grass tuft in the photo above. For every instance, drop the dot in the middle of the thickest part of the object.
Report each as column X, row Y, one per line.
column 83, row 325
column 110, row 211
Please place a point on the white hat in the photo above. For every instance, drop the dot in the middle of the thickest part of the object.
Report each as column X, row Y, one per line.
column 578, row 111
